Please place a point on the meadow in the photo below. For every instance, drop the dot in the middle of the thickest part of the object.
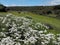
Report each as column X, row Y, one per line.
column 54, row 22
column 26, row 28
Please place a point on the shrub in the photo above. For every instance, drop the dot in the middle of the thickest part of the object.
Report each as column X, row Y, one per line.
column 22, row 31
column 2, row 8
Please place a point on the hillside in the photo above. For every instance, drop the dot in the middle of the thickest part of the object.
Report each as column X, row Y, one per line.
column 22, row 27
column 52, row 22
column 42, row 10
column 17, row 30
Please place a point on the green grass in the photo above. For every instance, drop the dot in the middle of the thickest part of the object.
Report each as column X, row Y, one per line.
column 40, row 18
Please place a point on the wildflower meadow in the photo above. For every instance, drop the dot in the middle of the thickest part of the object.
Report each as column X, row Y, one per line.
column 16, row 30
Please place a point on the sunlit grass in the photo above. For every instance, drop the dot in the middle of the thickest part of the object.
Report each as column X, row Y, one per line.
column 39, row 18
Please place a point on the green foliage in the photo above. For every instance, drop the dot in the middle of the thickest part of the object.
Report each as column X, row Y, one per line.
column 41, row 10
column 55, row 23
column 2, row 8
column 15, row 30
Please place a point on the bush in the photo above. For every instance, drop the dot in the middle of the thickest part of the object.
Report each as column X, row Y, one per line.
column 22, row 31
column 49, row 26
column 2, row 8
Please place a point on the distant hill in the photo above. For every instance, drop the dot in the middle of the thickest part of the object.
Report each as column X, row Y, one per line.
column 36, row 9
column 42, row 10
column 2, row 8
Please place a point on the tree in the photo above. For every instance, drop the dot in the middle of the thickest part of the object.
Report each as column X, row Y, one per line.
column 2, row 8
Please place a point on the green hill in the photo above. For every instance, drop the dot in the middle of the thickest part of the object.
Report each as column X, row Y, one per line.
column 41, row 10
column 55, row 23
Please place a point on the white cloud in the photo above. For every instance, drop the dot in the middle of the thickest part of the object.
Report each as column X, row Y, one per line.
column 11, row 5
column 19, row 5
column 54, row 2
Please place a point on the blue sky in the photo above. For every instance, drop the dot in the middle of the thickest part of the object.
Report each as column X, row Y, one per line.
column 29, row 2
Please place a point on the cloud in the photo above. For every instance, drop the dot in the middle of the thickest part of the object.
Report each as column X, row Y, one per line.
column 13, row 4
column 54, row 2
column 45, row 3
column 17, row 5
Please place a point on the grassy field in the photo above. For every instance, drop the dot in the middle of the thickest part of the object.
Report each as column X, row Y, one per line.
column 55, row 23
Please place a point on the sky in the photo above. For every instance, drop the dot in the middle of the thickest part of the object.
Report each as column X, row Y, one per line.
column 29, row 2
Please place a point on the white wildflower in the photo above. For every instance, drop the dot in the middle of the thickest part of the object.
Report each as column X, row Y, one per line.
column 32, row 40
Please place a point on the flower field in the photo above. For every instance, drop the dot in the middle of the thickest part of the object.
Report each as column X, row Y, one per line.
column 16, row 30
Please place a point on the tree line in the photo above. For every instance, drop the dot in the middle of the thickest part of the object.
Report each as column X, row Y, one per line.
column 42, row 10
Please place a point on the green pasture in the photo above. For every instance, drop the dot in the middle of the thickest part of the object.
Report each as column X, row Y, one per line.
column 55, row 23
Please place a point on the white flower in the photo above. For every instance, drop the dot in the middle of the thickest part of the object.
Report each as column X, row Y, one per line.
column 58, row 39
column 8, row 15
column 42, row 43
column 13, row 29
column 4, row 20
column 3, row 28
column 45, row 31
column 40, row 32
column 17, row 43
column 46, row 42
column 2, row 34
column 7, row 41
column 20, row 29
column 32, row 40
